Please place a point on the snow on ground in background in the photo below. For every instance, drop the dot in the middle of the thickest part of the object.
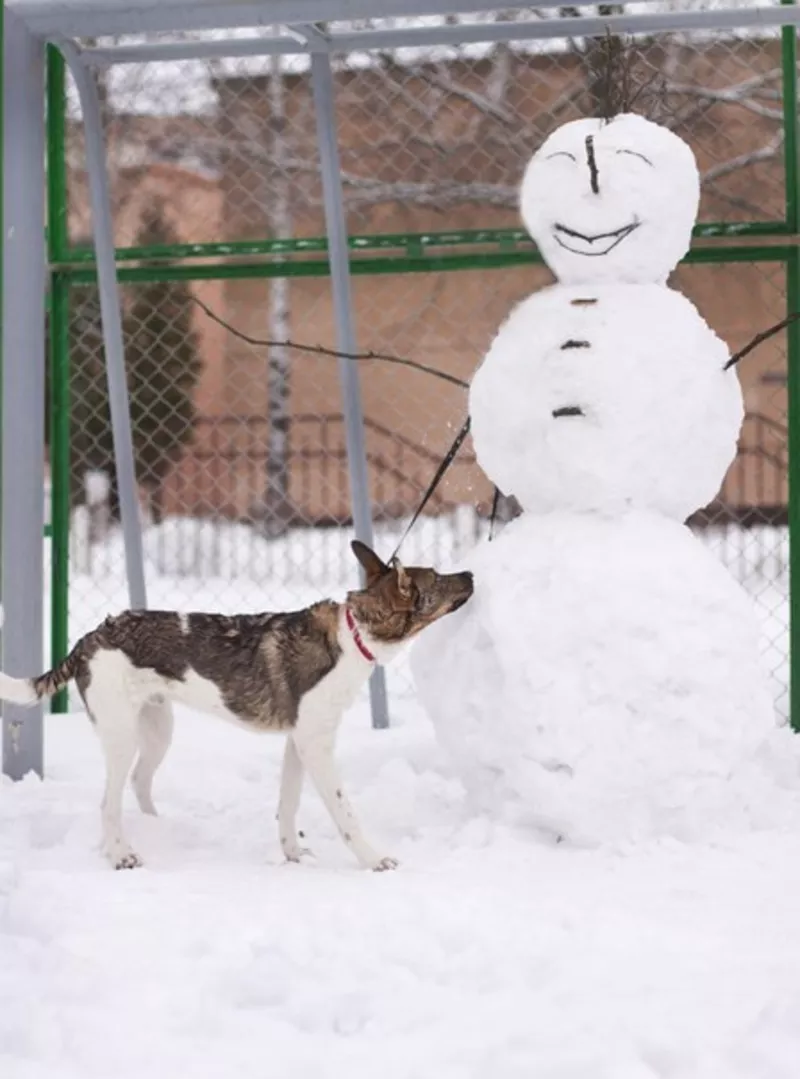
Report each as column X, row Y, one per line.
column 758, row 558
column 487, row 954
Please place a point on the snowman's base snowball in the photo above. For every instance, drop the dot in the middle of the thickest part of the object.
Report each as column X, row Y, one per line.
column 605, row 684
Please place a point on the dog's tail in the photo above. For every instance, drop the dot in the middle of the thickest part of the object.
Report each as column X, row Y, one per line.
column 27, row 691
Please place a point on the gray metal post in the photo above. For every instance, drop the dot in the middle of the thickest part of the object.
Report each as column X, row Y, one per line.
column 108, row 288
column 24, row 280
column 322, row 80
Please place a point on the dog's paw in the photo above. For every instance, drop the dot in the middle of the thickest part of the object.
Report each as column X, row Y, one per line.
column 120, row 855
column 298, row 853
column 385, row 863
column 293, row 852
column 131, row 860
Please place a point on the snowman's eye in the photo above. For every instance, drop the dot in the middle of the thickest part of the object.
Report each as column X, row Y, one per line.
column 633, row 153
column 561, row 153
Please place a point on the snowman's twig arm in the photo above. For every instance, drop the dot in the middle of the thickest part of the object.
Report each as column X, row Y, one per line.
column 760, row 337
column 322, row 350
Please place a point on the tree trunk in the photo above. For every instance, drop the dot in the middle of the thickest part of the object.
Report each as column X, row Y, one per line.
column 278, row 508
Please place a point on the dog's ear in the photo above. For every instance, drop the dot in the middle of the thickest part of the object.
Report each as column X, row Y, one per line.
column 375, row 569
column 403, row 580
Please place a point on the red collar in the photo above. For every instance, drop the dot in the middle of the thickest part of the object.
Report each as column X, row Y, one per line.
column 351, row 625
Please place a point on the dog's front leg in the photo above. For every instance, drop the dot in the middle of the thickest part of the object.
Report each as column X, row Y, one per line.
column 289, row 802
column 315, row 744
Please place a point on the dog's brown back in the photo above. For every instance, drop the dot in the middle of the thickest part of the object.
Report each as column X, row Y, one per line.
column 262, row 664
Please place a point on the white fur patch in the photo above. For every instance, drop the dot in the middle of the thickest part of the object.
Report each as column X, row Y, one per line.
column 17, row 690
column 320, row 714
column 112, row 672
column 204, row 695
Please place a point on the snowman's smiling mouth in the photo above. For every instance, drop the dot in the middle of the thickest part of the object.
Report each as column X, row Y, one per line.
column 598, row 244
column 567, row 410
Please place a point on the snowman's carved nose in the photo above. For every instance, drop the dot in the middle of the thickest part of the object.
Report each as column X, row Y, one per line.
column 590, row 158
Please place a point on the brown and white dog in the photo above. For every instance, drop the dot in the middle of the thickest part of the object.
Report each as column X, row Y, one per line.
column 295, row 672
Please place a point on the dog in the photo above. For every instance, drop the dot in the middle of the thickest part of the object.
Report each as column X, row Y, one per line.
column 295, row 672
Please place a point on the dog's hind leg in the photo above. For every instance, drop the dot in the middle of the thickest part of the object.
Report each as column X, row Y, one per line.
column 156, row 723
column 289, row 802
column 315, row 748
column 119, row 746
column 115, row 715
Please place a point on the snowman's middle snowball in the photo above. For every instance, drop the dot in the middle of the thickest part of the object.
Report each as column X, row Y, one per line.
column 615, row 404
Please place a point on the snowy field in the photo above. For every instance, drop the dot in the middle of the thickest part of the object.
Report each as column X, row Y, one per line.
column 489, row 953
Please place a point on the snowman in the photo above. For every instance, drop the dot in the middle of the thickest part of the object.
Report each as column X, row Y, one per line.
column 605, row 682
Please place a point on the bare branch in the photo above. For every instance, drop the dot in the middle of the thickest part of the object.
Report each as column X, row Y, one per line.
column 500, row 74
column 453, row 89
column 736, row 202
column 761, row 337
column 321, row 350
column 764, row 153
column 756, row 82
column 386, row 70
column 731, row 96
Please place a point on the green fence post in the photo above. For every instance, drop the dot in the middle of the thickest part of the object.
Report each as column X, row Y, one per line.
column 57, row 246
column 793, row 381
column 790, row 101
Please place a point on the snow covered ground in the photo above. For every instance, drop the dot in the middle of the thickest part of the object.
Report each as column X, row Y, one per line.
column 489, row 953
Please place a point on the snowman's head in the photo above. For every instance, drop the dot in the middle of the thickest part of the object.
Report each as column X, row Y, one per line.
column 611, row 200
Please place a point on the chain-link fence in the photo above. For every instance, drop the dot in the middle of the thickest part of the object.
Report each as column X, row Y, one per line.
column 240, row 447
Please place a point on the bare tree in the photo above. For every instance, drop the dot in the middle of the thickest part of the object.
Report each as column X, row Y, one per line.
column 423, row 158
column 453, row 130
column 277, row 510
column 423, row 94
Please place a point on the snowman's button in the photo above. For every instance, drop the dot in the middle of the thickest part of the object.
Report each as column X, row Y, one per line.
column 583, row 301
column 571, row 343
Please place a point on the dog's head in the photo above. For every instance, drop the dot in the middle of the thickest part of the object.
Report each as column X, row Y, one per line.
column 400, row 601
